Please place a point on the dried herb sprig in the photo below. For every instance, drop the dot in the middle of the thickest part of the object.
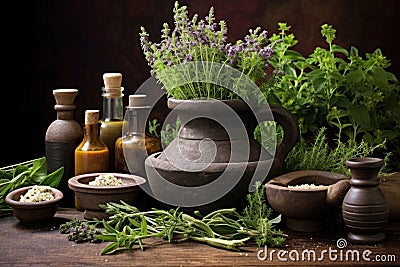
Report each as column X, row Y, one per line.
column 82, row 231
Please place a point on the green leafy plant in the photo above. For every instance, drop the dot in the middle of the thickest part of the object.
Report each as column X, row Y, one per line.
column 228, row 229
column 353, row 97
column 152, row 126
column 204, row 40
column 32, row 172
column 319, row 155
column 170, row 132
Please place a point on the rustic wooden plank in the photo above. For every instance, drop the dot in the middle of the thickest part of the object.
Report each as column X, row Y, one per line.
column 44, row 245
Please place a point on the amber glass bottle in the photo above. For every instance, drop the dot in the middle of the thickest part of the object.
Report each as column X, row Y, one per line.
column 112, row 120
column 131, row 149
column 62, row 137
column 91, row 155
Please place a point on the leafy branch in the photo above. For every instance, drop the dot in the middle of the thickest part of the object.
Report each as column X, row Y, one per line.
column 31, row 172
column 353, row 96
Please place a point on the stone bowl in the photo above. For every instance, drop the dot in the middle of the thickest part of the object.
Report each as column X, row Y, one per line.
column 31, row 213
column 90, row 196
column 172, row 186
column 307, row 210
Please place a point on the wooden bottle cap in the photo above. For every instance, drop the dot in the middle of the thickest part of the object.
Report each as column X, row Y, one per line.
column 91, row 116
column 137, row 100
column 65, row 99
column 65, row 96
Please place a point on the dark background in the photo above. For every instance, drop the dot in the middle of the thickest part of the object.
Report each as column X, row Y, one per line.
column 70, row 44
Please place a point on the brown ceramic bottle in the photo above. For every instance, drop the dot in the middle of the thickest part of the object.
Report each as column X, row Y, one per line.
column 62, row 137
column 365, row 211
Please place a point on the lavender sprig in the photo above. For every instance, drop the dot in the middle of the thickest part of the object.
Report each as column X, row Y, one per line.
column 205, row 40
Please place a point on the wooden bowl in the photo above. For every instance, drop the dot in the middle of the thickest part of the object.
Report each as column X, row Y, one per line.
column 90, row 196
column 30, row 213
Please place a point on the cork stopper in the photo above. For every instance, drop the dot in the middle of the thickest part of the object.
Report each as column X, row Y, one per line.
column 112, row 80
column 112, row 85
column 91, row 116
column 137, row 100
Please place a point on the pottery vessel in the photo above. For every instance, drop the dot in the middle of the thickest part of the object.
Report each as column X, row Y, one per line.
column 365, row 210
column 33, row 213
column 90, row 196
column 204, row 151
column 307, row 210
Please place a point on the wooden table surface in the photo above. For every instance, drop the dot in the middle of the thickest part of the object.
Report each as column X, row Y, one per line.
column 45, row 246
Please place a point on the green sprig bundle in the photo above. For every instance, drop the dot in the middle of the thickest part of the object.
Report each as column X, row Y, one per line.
column 128, row 227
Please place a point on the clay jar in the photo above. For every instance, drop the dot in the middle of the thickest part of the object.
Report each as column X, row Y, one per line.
column 365, row 210
column 62, row 137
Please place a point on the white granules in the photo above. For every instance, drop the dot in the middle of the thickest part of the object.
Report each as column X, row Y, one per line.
column 105, row 180
column 305, row 186
column 37, row 193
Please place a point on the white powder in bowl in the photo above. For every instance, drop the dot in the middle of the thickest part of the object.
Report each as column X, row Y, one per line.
column 106, row 180
column 37, row 193
column 305, row 186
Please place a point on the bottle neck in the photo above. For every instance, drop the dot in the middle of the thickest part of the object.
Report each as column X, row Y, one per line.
column 65, row 115
column 113, row 106
column 112, row 109
column 91, row 133
column 136, row 119
column 65, row 112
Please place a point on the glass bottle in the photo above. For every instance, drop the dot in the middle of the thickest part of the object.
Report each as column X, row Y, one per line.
column 130, row 149
column 91, row 155
column 62, row 137
column 112, row 120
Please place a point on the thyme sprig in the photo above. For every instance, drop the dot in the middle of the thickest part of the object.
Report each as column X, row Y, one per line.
column 82, row 231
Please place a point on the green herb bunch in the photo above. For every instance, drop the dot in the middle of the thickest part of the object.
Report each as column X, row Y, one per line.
column 318, row 155
column 353, row 96
column 205, row 40
column 128, row 227
column 32, row 172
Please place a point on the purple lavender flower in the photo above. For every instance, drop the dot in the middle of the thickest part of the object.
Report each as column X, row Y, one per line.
column 206, row 40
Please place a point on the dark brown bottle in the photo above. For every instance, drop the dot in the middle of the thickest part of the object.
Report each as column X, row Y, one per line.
column 62, row 137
